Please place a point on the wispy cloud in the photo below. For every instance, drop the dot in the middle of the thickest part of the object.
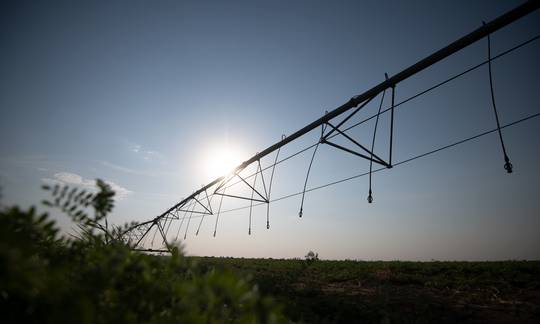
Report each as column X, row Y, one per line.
column 152, row 155
column 121, row 168
column 137, row 172
column 63, row 178
column 73, row 178
column 135, row 148
column 144, row 153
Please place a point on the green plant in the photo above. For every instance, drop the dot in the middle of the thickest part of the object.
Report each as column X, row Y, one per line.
column 95, row 277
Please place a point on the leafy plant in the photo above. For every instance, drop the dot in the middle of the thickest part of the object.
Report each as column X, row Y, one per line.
column 96, row 277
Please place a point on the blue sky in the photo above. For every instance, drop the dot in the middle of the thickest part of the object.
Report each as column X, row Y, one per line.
column 144, row 94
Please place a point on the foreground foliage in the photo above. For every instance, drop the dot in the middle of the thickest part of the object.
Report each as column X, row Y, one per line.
column 97, row 278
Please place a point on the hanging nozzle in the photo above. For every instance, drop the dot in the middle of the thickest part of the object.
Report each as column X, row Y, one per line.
column 507, row 165
column 370, row 197
column 300, row 213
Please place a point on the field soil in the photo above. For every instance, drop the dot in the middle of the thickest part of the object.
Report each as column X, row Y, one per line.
column 395, row 292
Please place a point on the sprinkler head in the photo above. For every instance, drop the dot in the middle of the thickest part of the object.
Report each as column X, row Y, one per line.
column 508, row 167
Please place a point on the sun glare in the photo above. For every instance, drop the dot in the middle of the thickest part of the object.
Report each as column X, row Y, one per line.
column 222, row 160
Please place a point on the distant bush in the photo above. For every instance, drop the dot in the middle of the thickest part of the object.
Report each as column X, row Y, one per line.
column 311, row 257
column 98, row 278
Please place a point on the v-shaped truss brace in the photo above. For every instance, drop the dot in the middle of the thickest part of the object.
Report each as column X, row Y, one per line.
column 362, row 151
column 261, row 198
column 206, row 206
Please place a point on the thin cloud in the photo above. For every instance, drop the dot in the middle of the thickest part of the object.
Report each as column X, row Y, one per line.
column 144, row 153
column 73, row 178
column 63, row 178
column 121, row 168
column 135, row 148
column 137, row 172
column 152, row 155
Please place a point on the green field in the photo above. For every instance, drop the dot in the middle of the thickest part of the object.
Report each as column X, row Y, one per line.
column 377, row 291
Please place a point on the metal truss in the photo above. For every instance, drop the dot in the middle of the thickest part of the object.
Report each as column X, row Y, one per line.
column 200, row 201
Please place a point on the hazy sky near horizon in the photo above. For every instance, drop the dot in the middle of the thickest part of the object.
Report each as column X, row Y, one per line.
column 148, row 94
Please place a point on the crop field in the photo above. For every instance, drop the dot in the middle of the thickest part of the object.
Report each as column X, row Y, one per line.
column 319, row 291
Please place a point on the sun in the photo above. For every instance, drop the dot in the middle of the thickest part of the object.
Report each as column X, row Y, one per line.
column 221, row 160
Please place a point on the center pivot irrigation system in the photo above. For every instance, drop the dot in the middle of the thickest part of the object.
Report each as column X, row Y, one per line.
column 199, row 204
